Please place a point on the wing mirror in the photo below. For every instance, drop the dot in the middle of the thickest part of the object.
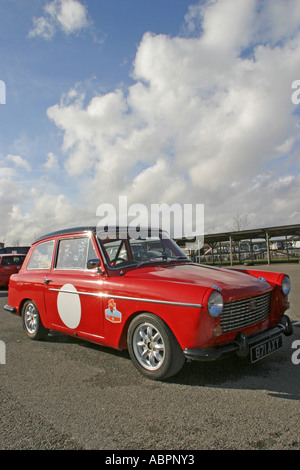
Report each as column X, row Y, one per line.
column 95, row 263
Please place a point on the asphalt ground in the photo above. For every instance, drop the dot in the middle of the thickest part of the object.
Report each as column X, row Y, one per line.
column 66, row 394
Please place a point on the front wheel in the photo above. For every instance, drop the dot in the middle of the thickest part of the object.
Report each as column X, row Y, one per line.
column 153, row 348
column 32, row 323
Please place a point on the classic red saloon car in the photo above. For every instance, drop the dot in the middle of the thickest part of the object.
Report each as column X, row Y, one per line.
column 144, row 294
column 9, row 264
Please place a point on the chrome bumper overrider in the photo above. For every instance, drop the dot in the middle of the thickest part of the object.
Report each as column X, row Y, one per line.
column 241, row 344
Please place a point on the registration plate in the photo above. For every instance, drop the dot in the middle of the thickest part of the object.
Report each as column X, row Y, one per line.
column 265, row 348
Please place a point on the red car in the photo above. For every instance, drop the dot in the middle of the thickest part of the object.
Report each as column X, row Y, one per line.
column 9, row 264
column 142, row 293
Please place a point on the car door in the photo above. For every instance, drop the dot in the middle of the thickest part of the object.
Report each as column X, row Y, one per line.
column 73, row 298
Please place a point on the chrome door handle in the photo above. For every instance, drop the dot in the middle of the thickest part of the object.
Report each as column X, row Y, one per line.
column 47, row 281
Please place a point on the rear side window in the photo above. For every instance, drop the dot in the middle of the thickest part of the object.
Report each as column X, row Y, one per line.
column 12, row 260
column 41, row 256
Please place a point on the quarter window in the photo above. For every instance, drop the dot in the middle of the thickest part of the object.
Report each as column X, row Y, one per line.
column 41, row 256
column 92, row 254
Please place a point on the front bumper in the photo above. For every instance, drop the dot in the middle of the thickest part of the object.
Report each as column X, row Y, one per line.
column 241, row 344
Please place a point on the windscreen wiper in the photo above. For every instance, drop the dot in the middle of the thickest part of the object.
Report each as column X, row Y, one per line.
column 162, row 260
column 176, row 258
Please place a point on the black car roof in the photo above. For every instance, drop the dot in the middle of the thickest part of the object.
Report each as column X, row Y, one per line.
column 67, row 231
column 92, row 229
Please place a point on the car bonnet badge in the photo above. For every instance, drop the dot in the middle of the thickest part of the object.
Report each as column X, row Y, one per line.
column 252, row 305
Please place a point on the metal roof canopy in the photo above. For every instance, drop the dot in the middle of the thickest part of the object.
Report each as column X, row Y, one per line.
column 261, row 233
column 280, row 231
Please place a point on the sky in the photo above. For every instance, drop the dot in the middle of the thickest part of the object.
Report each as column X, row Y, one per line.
column 161, row 101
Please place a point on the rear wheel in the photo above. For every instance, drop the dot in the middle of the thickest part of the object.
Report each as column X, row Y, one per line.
column 153, row 348
column 32, row 323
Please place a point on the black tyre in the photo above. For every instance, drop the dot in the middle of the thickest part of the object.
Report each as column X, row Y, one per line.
column 32, row 323
column 153, row 348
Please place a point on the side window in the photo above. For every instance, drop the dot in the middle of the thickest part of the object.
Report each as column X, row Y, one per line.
column 115, row 252
column 41, row 256
column 72, row 253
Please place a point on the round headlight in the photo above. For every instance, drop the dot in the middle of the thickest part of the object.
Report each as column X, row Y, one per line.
column 215, row 304
column 286, row 285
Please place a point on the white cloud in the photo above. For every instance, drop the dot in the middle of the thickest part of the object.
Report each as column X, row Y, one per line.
column 29, row 206
column 202, row 114
column 51, row 162
column 68, row 15
column 71, row 15
column 19, row 162
column 10, row 194
column 42, row 27
column 278, row 21
column 29, row 225
column 208, row 120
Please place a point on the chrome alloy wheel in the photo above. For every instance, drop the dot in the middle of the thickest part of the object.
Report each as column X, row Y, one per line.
column 31, row 318
column 32, row 322
column 148, row 346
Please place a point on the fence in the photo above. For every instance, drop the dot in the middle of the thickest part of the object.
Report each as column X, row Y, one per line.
column 260, row 256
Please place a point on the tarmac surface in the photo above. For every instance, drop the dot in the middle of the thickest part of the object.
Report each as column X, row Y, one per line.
column 66, row 394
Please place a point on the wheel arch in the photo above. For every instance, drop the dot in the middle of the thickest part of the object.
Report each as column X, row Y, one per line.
column 123, row 338
column 159, row 359
column 22, row 303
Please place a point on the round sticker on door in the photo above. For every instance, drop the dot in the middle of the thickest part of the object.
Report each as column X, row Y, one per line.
column 69, row 306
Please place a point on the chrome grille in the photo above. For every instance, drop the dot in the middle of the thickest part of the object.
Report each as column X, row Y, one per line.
column 241, row 313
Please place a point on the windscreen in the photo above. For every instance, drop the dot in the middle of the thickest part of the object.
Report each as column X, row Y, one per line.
column 121, row 249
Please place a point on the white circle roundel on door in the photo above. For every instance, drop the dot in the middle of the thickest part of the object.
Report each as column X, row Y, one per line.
column 69, row 306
